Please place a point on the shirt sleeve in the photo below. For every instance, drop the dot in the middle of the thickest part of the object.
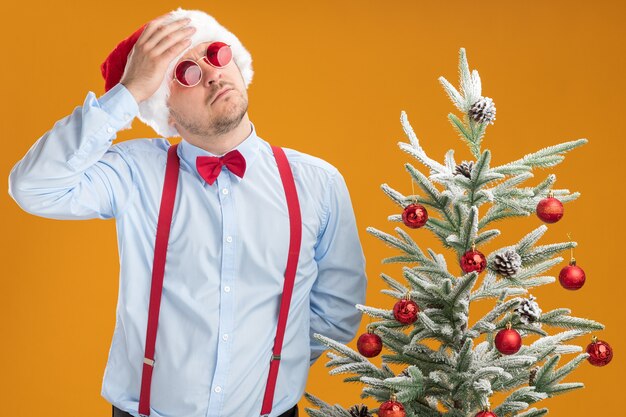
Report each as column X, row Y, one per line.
column 341, row 280
column 72, row 171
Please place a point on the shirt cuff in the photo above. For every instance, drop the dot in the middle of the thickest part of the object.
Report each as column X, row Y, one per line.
column 120, row 105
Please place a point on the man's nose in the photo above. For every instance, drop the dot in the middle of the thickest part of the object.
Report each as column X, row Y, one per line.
column 211, row 74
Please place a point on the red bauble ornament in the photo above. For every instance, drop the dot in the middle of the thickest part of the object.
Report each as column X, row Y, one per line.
column 600, row 352
column 486, row 414
column 550, row 209
column 508, row 341
column 572, row 277
column 405, row 311
column 473, row 260
column 391, row 408
column 369, row 344
column 414, row 216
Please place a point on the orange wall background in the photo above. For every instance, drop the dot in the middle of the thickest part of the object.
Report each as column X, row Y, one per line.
column 331, row 79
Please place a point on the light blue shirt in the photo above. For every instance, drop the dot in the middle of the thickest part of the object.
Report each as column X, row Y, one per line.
column 225, row 262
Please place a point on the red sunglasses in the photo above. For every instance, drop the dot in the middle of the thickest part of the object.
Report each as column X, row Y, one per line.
column 188, row 73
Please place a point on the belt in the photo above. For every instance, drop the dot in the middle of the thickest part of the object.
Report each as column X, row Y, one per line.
column 292, row 412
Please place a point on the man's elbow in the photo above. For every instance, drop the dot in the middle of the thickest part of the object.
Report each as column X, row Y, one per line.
column 18, row 192
column 347, row 328
column 38, row 201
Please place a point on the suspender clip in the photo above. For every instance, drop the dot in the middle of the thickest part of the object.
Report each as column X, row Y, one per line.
column 148, row 361
column 275, row 357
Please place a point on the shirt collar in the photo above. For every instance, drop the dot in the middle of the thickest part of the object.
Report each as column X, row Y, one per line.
column 249, row 148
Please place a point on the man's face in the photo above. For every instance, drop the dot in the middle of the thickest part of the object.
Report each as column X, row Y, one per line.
column 214, row 106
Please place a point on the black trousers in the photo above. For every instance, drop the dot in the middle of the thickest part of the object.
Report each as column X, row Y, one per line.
column 293, row 412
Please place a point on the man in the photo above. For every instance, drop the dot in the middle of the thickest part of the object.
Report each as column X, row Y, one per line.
column 231, row 232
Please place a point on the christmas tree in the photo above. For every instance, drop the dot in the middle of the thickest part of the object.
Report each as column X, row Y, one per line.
column 447, row 370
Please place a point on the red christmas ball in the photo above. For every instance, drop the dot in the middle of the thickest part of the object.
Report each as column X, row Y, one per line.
column 391, row 408
column 572, row 277
column 508, row 341
column 550, row 209
column 405, row 311
column 473, row 260
column 486, row 414
column 369, row 345
column 600, row 352
column 414, row 216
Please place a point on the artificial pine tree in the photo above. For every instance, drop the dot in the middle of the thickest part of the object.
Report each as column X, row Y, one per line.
column 459, row 375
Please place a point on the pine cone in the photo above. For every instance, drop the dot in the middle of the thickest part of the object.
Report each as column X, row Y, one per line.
column 533, row 374
column 529, row 311
column 483, row 111
column 359, row 411
column 507, row 263
column 464, row 168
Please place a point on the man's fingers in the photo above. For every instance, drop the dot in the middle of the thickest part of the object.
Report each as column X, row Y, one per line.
column 150, row 27
column 175, row 49
column 172, row 39
column 159, row 31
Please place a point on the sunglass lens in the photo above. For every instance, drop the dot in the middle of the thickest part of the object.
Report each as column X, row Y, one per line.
column 219, row 54
column 188, row 73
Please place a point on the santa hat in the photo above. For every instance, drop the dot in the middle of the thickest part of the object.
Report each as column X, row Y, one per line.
column 153, row 111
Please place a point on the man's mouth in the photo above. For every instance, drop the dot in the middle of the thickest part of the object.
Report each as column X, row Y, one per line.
column 221, row 93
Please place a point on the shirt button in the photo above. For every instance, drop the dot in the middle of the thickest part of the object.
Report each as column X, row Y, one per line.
column 110, row 129
column 229, row 239
column 218, row 389
column 225, row 337
column 225, row 191
column 227, row 288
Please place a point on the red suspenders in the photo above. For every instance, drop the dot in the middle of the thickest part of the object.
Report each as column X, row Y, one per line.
column 158, row 270
column 295, row 238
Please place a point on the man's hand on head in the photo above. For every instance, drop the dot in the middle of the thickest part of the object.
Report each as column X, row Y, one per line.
column 155, row 48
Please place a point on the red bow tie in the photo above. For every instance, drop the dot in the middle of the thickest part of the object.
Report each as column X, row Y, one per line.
column 209, row 167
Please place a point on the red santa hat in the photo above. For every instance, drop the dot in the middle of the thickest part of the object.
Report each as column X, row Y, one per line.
column 153, row 111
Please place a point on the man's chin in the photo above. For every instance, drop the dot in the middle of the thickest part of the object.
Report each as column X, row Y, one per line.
column 229, row 121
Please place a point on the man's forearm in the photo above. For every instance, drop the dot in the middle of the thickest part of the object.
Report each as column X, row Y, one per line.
column 54, row 168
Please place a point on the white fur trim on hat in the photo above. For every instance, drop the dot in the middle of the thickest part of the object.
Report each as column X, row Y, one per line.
column 154, row 111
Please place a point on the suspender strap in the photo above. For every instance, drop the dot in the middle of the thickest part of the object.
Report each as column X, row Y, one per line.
column 158, row 270
column 295, row 239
